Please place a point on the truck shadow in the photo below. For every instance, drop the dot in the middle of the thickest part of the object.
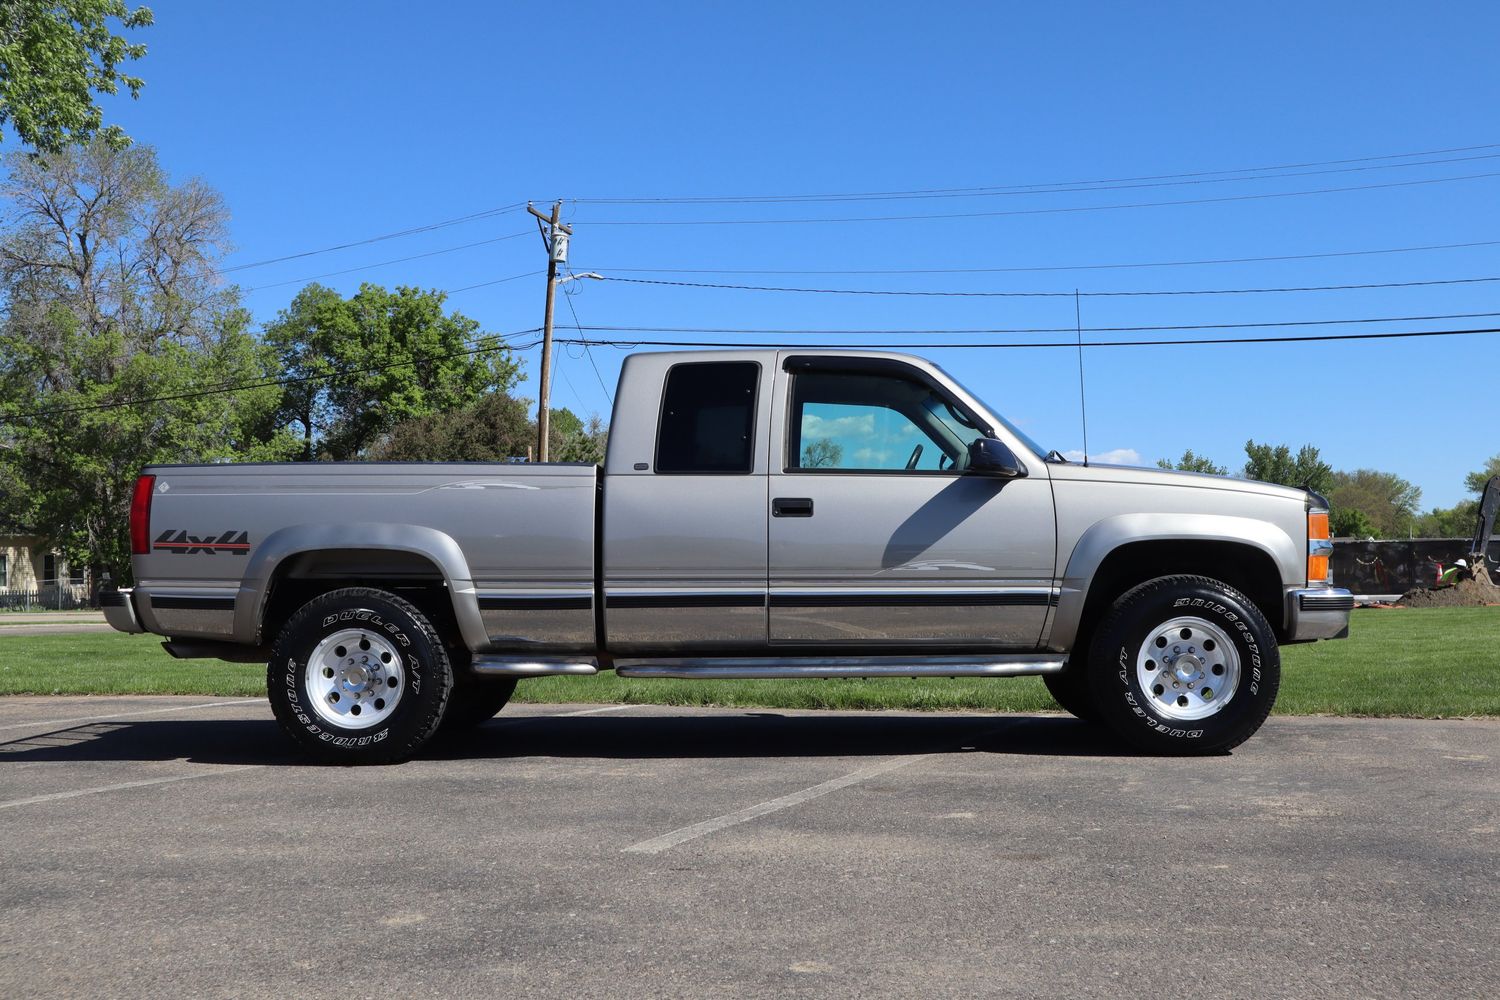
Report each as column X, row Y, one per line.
column 748, row 735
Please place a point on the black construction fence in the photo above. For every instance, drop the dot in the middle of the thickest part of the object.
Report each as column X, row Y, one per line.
column 1397, row 566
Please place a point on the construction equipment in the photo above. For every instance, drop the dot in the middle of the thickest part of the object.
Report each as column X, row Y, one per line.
column 1484, row 529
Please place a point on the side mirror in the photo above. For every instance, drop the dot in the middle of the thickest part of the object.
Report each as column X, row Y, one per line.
column 989, row 457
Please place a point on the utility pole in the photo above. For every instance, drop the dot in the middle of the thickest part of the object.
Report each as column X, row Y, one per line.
column 555, row 239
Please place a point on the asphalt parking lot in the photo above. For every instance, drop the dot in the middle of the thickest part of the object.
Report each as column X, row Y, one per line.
column 172, row 846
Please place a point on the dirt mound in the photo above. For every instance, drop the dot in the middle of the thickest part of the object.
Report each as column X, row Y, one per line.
column 1464, row 594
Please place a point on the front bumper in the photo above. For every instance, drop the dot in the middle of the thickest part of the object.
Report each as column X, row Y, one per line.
column 119, row 610
column 1318, row 613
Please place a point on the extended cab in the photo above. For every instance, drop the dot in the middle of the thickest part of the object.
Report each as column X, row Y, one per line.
column 760, row 514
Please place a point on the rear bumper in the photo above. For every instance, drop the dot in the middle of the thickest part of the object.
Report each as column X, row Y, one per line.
column 1318, row 613
column 119, row 610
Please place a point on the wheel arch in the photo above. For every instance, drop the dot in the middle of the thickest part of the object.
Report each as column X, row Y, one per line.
column 1255, row 557
column 294, row 565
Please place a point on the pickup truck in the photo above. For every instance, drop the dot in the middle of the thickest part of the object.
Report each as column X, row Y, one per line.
column 760, row 514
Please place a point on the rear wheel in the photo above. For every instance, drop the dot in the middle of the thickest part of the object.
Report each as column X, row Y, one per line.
column 1184, row 665
column 359, row 676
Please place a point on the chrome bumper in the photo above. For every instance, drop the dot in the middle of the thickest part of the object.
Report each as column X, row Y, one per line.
column 119, row 610
column 1318, row 613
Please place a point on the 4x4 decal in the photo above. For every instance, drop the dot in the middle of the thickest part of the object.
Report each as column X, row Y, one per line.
column 182, row 543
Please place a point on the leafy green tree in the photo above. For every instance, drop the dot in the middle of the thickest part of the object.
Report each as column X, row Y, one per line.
column 1387, row 502
column 365, row 364
column 106, row 310
column 1450, row 522
column 494, row 429
column 55, row 55
column 1475, row 481
column 1351, row 522
column 1190, row 462
column 577, row 440
column 1277, row 464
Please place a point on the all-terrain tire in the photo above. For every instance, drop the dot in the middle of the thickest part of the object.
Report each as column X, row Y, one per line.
column 1184, row 665
column 1071, row 690
column 359, row 676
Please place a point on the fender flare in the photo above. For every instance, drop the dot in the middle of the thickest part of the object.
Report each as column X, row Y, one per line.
column 435, row 546
column 1109, row 534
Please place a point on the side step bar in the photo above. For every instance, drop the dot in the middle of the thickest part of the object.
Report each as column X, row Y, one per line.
column 749, row 668
column 532, row 666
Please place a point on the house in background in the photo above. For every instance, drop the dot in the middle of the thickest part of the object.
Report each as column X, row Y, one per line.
column 33, row 573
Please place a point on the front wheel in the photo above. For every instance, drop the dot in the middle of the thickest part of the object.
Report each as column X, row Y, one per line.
column 359, row 676
column 1184, row 665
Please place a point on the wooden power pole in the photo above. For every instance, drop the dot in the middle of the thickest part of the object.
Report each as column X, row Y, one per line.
column 555, row 238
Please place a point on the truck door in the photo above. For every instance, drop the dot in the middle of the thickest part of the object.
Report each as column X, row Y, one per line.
column 685, row 509
column 878, row 537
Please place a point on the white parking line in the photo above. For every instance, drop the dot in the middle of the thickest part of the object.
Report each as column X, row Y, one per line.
column 680, row 836
column 589, row 711
column 55, row 796
column 124, row 715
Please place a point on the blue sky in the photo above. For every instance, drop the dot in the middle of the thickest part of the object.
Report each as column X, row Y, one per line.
column 326, row 123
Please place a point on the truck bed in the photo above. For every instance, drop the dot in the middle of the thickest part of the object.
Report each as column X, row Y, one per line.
column 513, row 543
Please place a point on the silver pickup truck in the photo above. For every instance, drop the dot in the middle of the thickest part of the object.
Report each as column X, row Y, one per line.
column 760, row 514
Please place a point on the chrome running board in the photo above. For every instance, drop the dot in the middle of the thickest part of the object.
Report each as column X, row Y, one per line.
column 531, row 666
column 750, row 668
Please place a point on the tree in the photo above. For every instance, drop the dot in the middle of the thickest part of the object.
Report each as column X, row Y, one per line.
column 55, row 55
column 1351, row 522
column 577, row 440
column 105, row 267
column 1452, row 522
column 822, row 453
column 1276, row 464
column 1387, row 502
column 376, row 359
column 1190, row 462
column 494, row 429
column 1475, row 481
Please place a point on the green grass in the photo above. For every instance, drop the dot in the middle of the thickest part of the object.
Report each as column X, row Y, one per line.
column 1426, row 663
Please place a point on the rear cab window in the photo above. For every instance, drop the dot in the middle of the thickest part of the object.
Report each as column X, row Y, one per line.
column 708, row 418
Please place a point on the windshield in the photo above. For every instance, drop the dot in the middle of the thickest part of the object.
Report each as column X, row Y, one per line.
column 1024, row 438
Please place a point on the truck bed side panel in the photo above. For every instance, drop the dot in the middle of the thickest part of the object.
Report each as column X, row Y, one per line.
column 513, row 543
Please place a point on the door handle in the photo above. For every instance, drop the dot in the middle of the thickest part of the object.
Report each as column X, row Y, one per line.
column 792, row 507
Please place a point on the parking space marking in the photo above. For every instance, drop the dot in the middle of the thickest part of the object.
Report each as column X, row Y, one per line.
column 75, row 793
column 590, row 711
column 123, row 715
column 681, row 836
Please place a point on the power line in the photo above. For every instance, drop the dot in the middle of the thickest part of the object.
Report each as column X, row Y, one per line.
column 1062, row 267
column 503, row 343
column 568, row 297
column 1051, row 295
column 472, row 217
column 1033, row 329
column 1106, row 180
column 926, row 345
column 497, row 281
column 1034, row 211
column 224, row 388
column 1022, row 190
column 383, row 263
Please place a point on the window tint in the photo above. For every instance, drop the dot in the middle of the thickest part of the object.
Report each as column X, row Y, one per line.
column 708, row 418
column 873, row 423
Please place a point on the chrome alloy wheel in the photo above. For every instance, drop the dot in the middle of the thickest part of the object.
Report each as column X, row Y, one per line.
column 355, row 679
column 1189, row 668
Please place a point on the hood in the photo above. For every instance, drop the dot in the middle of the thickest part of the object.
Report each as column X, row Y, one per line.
column 1094, row 472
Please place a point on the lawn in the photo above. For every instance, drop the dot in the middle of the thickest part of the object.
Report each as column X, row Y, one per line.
column 1427, row 663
